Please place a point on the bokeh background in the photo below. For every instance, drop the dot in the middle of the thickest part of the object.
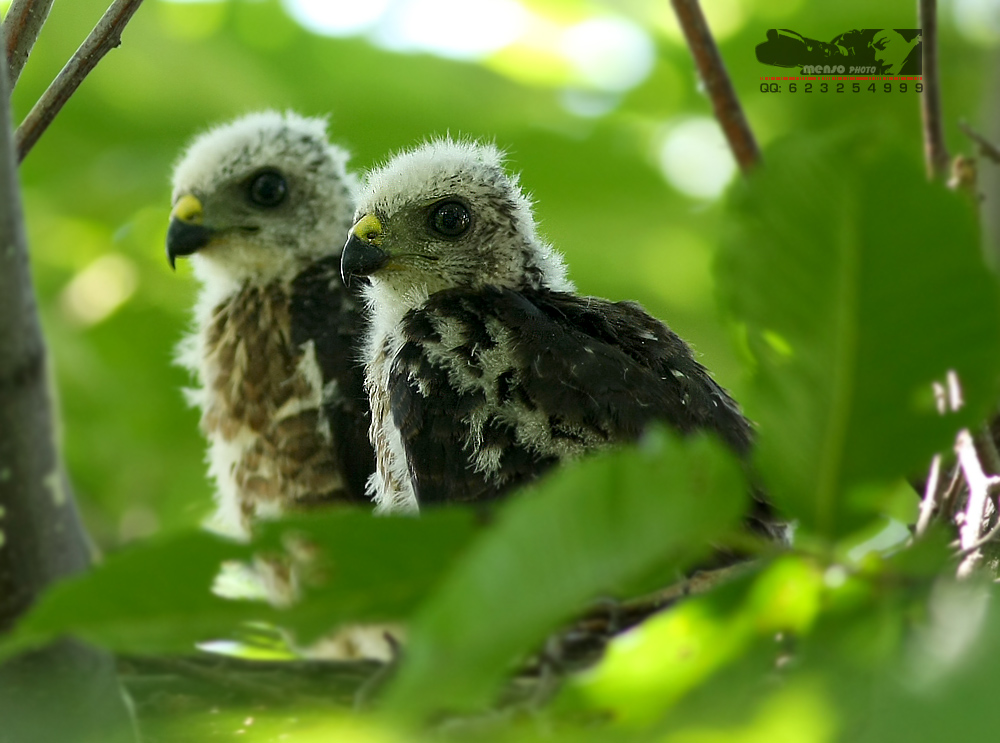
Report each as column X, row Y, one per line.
column 597, row 103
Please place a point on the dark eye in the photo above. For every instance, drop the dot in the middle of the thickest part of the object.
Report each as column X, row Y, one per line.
column 450, row 219
column 268, row 188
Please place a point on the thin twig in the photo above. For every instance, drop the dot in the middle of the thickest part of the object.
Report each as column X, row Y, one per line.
column 105, row 37
column 720, row 88
column 929, row 502
column 990, row 536
column 21, row 26
column 986, row 148
column 953, row 491
column 935, row 149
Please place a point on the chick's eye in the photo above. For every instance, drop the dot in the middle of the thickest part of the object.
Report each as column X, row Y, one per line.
column 268, row 189
column 450, row 219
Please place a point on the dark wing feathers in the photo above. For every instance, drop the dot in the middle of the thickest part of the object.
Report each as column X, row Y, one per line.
column 601, row 371
column 327, row 313
column 428, row 424
column 657, row 376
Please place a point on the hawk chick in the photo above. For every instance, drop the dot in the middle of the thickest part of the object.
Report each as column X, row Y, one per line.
column 484, row 368
column 261, row 205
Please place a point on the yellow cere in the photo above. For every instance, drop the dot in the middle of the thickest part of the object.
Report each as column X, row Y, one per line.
column 188, row 209
column 369, row 229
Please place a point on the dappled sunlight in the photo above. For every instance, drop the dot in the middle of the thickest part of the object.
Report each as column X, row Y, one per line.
column 695, row 158
column 978, row 20
column 608, row 53
column 99, row 289
column 336, row 17
column 797, row 714
column 448, row 29
column 586, row 48
column 646, row 670
column 726, row 18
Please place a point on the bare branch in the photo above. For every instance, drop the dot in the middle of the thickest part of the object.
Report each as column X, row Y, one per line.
column 929, row 503
column 981, row 486
column 43, row 538
column 105, row 37
column 990, row 536
column 21, row 26
column 41, row 535
column 720, row 88
column 986, row 148
column 935, row 149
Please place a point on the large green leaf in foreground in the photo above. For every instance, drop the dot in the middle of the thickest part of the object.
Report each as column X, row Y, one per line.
column 157, row 598
column 860, row 284
column 590, row 529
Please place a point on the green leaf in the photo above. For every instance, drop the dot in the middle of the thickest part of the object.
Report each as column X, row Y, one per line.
column 591, row 527
column 861, row 284
column 156, row 598
column 367, row 568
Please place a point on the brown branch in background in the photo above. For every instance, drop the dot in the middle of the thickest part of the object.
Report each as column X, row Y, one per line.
column 105, row 37
column 986, row 148
column 935, row 149
column 43, row 538
column 21, row 26
column 720, row 88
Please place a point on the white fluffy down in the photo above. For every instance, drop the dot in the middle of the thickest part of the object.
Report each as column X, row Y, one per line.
column 321, row 204
column 213, row 154
column 443, row 166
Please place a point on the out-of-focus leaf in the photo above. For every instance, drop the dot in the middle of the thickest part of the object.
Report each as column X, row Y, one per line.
column 153, row 598
column 591, row 527
column 368, row 568
column 799, row 713
column 944, row 686
column 861, row 284
column 647, row 670
column 157, row 597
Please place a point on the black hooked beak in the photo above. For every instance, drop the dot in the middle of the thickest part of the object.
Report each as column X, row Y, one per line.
column 186, row 233
column 362, row 254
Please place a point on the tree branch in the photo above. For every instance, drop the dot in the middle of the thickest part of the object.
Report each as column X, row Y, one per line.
column 986, row 148
column 720, row 88
column 21, row 26
column 981, row 486
column 43, row 538
column 929, row 503
column 105, row 37
column 935, row 149
column 41, row 535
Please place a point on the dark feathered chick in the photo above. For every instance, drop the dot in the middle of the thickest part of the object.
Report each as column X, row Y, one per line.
column 483, row 366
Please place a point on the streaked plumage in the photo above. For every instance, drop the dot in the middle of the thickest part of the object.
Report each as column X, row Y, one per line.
column 484, row 368
column 261, row 205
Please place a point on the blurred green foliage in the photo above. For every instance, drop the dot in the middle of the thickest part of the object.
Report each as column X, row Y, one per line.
column 848, row 286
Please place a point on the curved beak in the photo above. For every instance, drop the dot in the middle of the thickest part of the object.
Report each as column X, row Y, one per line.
column 363, row 254
column 186, row 233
